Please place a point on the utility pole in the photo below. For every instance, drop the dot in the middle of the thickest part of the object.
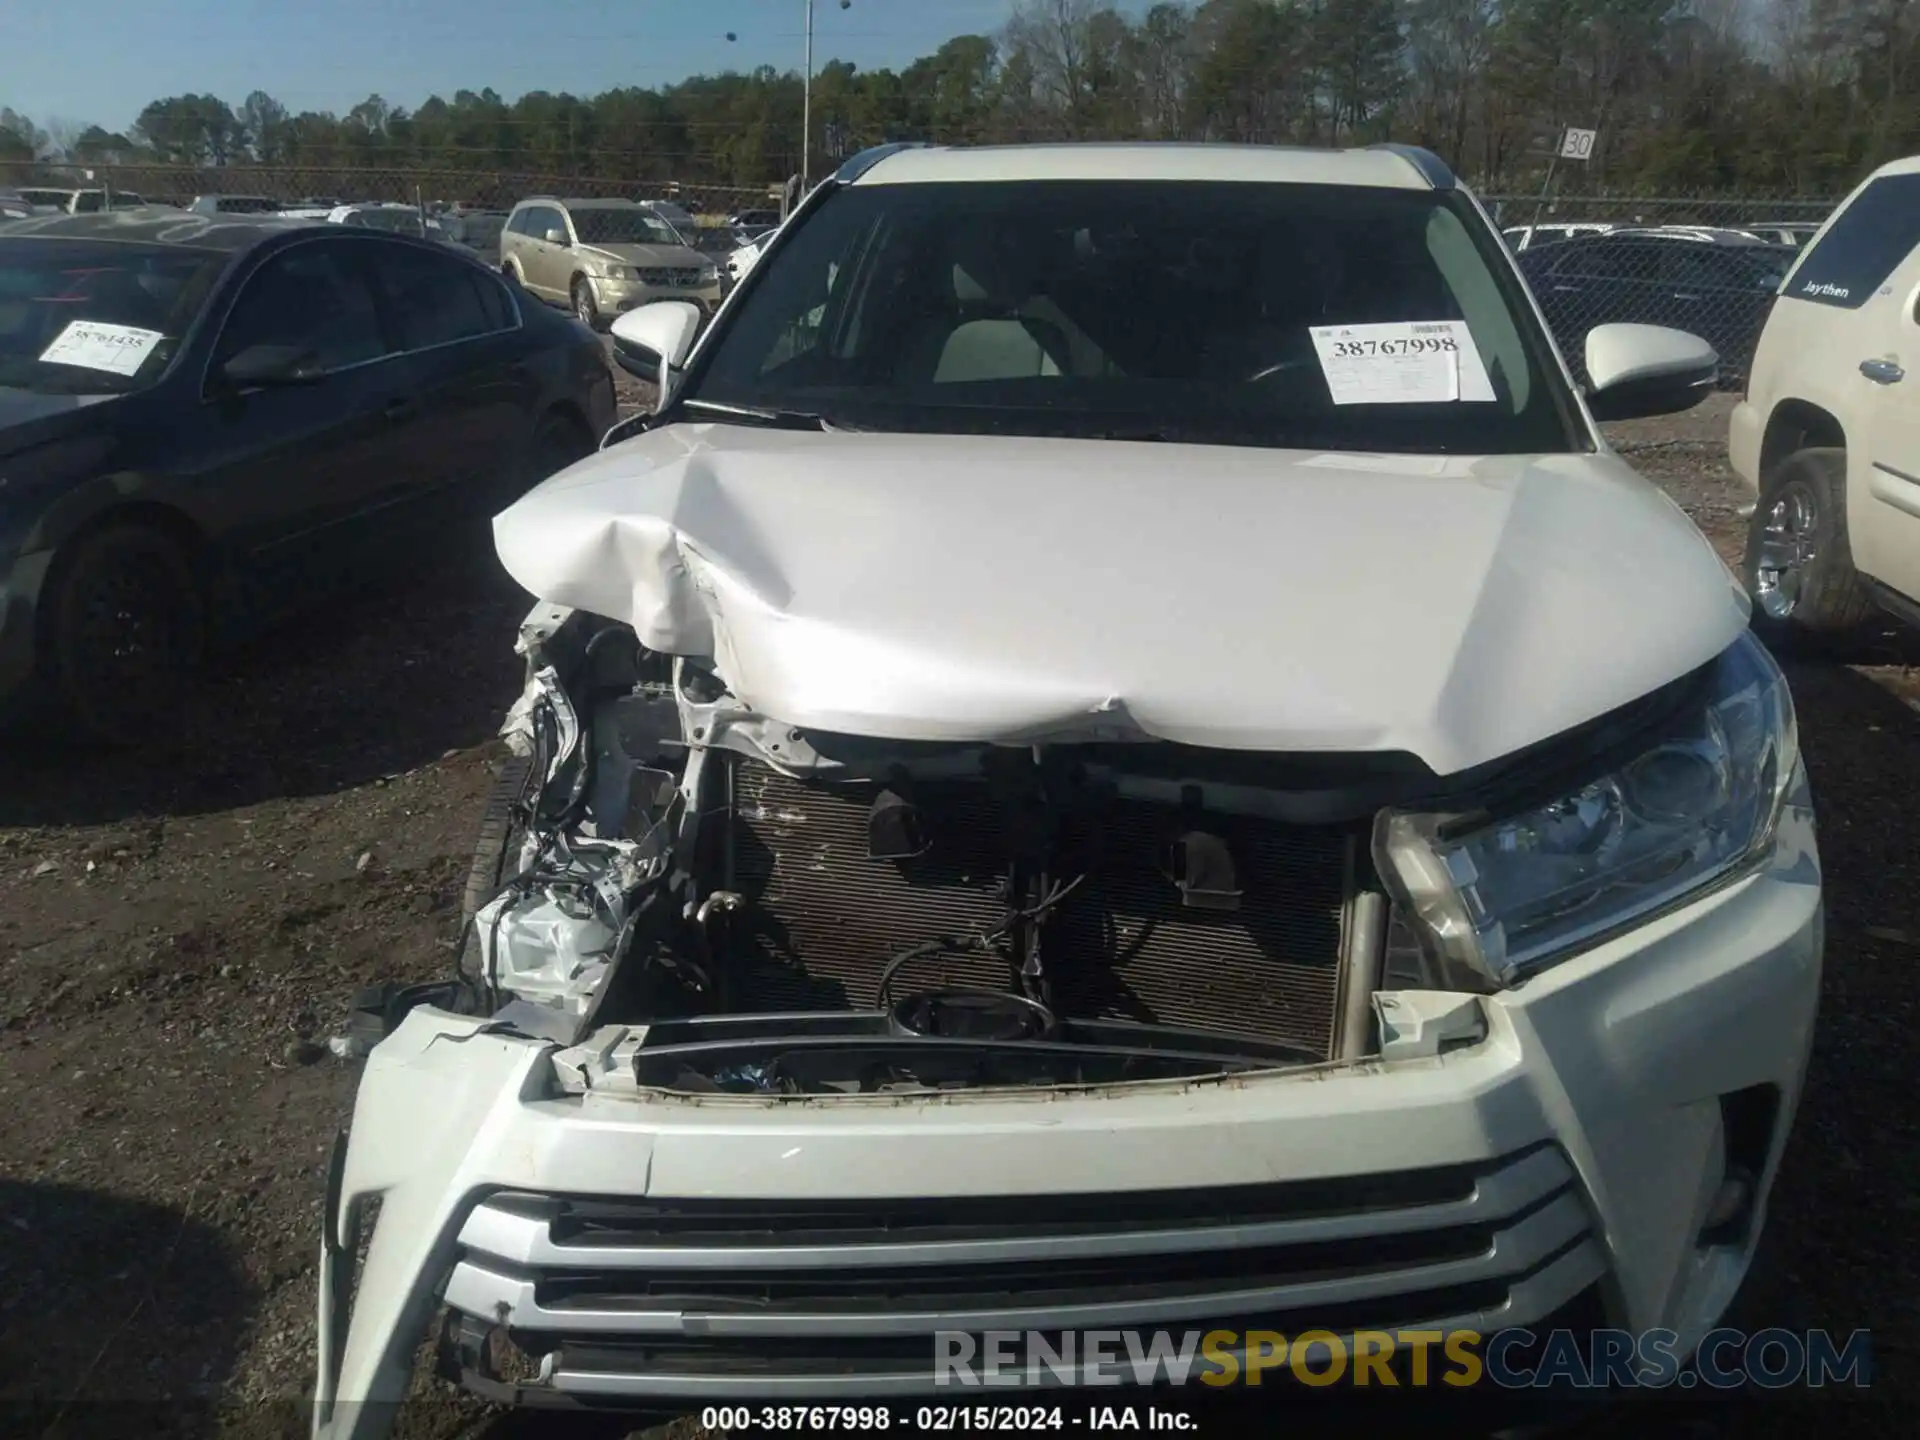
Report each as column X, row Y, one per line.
column 806, row 109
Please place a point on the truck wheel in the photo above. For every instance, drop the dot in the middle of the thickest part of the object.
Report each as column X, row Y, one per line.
column 125, row 630
column 1799, row 565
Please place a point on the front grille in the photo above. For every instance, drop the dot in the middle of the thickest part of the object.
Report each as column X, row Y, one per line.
column 651, row 1299
column 823, row 919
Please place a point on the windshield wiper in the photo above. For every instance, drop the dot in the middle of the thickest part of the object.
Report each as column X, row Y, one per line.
column 760, row 415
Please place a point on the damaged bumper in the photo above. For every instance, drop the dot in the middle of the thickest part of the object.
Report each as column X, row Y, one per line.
column 1610, row 1140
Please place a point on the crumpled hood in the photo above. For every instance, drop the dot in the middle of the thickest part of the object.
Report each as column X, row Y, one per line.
column 1017, row 590
column 665, row 256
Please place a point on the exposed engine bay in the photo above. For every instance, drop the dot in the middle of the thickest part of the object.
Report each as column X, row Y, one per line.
column 770, row 911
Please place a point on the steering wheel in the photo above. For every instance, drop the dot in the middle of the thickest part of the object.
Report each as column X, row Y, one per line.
column 1278, row 368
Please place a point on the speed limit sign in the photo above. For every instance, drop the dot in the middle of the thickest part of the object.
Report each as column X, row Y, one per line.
column 1578, row 144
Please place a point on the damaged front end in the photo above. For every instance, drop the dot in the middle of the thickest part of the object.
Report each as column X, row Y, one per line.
column 778, row 1052
column 697, row 897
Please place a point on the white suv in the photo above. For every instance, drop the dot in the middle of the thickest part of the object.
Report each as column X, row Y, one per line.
column 1074, row 776
column 1828, row 434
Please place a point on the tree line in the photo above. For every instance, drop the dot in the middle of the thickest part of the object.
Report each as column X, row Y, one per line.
column 1688, row 95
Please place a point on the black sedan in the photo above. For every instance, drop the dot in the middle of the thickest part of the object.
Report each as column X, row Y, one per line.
column 1720, row 290
column 208, row 420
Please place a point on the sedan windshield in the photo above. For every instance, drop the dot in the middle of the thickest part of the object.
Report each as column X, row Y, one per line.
column 404, row 222
column 622, row 227
column 480, row 231
column 1336, row 318
column 95, row 317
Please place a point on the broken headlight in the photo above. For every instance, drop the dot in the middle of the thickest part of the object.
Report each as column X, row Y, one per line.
column 1498, row 897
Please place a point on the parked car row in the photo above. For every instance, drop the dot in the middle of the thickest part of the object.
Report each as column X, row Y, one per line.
column 1717, row 286
column 1715, row 281
column 1791, row 233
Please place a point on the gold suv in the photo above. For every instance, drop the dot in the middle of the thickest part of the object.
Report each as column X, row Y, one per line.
column 602, row 257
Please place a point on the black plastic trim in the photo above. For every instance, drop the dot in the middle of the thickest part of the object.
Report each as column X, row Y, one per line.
column 856, row 165
column 1435, row 171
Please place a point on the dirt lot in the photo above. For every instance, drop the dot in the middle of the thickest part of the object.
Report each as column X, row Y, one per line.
column 179, row 934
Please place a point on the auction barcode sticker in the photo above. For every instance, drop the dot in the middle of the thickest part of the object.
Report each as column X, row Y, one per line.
column 95, row 345
column 1403, row 362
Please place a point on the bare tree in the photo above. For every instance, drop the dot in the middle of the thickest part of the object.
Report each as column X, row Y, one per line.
column 1057, row 41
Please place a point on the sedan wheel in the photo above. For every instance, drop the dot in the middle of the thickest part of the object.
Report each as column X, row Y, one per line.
column 126, row 631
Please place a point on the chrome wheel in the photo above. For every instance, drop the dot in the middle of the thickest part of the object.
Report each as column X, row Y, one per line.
column 583, row 305
column 1787, row 550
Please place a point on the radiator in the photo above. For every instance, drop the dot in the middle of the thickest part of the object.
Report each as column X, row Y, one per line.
column 821, row 919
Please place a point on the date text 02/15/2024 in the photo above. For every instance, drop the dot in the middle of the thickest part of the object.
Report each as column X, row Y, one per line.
column 944, row 1419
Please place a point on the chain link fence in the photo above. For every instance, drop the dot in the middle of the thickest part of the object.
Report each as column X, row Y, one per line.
column 1709, row 265
column 314, row 187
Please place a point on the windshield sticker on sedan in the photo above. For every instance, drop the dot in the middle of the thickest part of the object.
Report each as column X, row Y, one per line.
column 1406, row 362
column 118, row 349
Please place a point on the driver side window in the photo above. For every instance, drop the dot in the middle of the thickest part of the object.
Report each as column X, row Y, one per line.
column 313, row 298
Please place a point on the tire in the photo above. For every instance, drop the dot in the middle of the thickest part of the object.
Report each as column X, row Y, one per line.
column 1799, row 565
column 584, row 306
column 125, row 631
column 494, row 852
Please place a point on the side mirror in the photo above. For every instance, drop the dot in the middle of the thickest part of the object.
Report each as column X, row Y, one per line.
column 554, row 236
column 654, row 341
column 1640, row 370
column 262, row 366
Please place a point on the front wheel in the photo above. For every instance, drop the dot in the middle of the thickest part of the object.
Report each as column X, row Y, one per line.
column 584, row 305
column 125, row 632
column 1799, row 564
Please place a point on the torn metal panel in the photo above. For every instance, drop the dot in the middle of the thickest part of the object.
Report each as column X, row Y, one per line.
column 983, row 588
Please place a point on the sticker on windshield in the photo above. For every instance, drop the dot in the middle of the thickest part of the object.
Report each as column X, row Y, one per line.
column 1406, row 362
column 118, row 349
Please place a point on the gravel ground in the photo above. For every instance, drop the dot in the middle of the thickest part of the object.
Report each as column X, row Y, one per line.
column 179, row 933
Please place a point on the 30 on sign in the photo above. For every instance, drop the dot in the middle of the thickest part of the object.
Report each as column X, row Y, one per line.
column 1578, row 144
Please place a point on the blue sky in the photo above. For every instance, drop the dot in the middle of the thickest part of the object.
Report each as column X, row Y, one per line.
column 102, row 61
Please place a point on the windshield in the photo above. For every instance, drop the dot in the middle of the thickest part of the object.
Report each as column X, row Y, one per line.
column 407, row 222
column 622, row 227
column 1333, row 318
column 93, row 317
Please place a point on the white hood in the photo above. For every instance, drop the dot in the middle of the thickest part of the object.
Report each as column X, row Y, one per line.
column 996, row 589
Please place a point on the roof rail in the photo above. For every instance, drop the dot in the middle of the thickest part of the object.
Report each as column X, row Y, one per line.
column 856, row 165
column 1435, row 171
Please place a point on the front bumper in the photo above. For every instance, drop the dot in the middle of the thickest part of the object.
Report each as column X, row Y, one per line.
column 616, row 297
column 1588, row 1127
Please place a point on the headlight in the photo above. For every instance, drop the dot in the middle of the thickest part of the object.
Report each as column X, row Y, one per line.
column 607, row 270
column 1494, row 898
column 709, row 273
